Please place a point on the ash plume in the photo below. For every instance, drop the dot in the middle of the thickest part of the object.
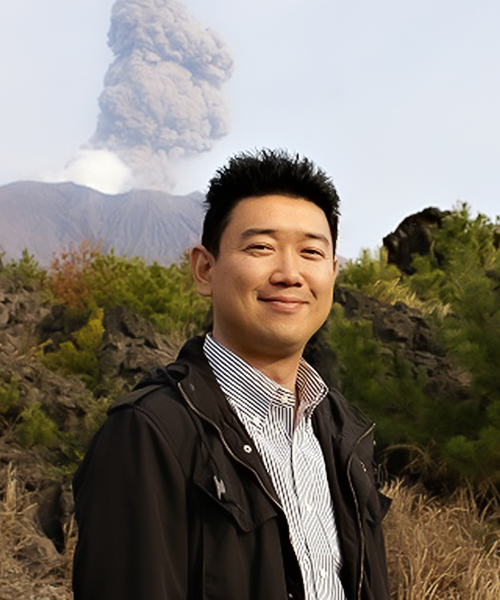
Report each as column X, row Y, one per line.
column 162, row 96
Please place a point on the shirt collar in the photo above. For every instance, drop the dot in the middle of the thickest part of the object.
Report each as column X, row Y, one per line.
column 251, row 392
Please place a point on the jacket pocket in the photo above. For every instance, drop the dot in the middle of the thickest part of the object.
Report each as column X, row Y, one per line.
column 246, row 504
column 242, row 551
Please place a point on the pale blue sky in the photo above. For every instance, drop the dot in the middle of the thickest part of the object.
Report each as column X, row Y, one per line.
column 399, row 100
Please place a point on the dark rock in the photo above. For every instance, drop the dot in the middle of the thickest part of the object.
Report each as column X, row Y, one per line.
column 50, row 514
column 58, row 326
column 20, row 313
column 131, row 347
column 412, row 236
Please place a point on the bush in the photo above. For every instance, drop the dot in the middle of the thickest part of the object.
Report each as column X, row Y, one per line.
column 458, row 286
column 24, row 272
column 9, row 397
column 380, row 381
column 35, row 427
column 68, row 275
column 87, row 279
column 79, row 357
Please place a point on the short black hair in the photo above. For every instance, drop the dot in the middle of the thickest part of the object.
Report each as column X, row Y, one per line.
column 261, row 173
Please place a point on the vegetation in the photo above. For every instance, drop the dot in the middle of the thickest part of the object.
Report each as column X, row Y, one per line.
column 79, row 357
column 436, row 550
column 458, row 287
column 442, row 550
column 446, row 548
column 87, row 279
column 24, row 273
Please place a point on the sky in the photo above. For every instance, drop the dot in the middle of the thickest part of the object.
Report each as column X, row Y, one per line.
column 398, row 100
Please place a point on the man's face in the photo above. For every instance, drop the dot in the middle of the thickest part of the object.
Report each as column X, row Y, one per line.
column 272, row 282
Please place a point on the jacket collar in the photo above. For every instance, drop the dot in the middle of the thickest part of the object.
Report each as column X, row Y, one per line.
column 193, row 374
column 200, row 390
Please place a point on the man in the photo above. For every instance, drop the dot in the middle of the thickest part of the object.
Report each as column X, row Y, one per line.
column 233, row 474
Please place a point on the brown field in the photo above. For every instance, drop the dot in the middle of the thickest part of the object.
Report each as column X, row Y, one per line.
column 436, row 550
column 442, row 550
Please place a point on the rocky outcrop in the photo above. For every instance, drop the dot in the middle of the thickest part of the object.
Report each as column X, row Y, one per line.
column 22, row 312
column 406, row 331
column 131, row 347
column 412, row 236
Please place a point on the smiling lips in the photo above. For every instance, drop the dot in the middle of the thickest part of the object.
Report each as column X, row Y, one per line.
column 286, row 302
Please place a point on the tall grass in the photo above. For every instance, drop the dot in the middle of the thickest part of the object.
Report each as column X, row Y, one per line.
column 442, row 550
column 436, row 550
column 30, row 566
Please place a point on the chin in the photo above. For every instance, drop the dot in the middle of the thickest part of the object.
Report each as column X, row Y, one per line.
column 282, row 345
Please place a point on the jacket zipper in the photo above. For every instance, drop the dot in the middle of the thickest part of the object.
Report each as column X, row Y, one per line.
column 356, row 503
column 228, row 448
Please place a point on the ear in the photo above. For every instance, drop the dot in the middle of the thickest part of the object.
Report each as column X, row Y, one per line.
column 202, row 261
column 335, row 268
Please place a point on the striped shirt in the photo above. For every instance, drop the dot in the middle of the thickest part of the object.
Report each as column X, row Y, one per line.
column 293, row 458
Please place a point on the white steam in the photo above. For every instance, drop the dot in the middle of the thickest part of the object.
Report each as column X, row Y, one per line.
column 99, row 169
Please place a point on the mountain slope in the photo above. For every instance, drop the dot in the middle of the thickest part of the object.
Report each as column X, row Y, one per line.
column 48, row 217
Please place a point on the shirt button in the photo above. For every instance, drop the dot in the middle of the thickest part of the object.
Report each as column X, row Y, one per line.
column 323, row 573
column 284, row 398
column 309, row 508
column 256, row 420
column 247, row 448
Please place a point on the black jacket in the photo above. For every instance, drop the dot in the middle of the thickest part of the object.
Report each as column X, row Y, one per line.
column 173, row 501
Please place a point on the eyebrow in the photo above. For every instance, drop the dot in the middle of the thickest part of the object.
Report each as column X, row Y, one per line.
column 248, row 233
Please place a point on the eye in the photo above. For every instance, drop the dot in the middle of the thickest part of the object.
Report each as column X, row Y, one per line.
column 313, row 252
column 259, row 248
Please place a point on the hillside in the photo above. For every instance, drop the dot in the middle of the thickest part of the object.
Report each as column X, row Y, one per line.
column 417, row 350
column 47, row 217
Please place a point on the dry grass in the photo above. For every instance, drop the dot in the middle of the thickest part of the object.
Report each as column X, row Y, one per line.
column 442, row 551
column 30, row 566
column 436, row 550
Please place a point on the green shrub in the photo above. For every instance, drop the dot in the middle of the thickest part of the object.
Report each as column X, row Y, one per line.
column 24, row 272
column 35, row 427
column 9, row 396
column 458, row 286
column 368, row 271
column 79, row 358
column 87, row 279
column 380, row 381
column 372, row 275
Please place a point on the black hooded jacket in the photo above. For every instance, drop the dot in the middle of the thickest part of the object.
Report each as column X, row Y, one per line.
column 173, row 501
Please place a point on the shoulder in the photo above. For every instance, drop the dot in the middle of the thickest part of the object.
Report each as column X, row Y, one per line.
column 158, row 395
column 160, row 407
column 343, row 412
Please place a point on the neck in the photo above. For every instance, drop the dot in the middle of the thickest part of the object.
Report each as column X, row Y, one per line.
column 281, row 369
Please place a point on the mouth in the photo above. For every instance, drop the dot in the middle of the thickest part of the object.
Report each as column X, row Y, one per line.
column 284, row 302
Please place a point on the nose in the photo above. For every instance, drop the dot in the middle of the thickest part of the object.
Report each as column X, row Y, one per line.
column 286, row 271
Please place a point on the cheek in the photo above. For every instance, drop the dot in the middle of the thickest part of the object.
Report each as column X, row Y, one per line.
column 246, row 277
column 322, row 284
column 231, row 288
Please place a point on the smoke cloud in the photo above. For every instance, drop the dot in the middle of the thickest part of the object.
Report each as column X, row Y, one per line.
column 162, row 96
